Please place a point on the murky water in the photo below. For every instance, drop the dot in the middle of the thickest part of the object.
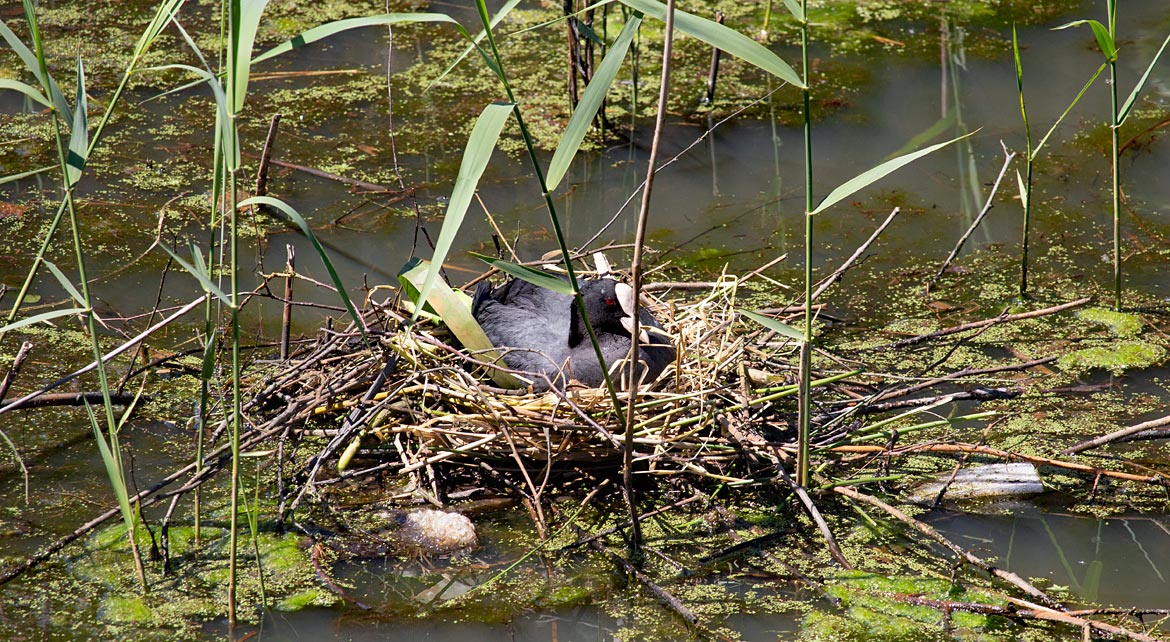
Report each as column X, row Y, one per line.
column 736, row 199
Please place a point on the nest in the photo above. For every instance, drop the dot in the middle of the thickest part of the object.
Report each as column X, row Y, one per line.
column 436, row 404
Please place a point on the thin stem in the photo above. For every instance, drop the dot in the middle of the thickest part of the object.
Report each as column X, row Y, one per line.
column 1115, row 133
column 804, row 419
column 635, row 542
column 548, row 204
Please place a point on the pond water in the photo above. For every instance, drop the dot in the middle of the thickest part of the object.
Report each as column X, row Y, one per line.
column 734, row 199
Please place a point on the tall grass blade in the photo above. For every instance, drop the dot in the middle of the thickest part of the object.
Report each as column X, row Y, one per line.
column 201, row 275
column 721, row 37
column 44, row 316
column 524, row 273
column 65, row 283
column 774, row 325
column 79, row 136
column 1123, row 113
column 504, row 11
column 930, row 133
column 589, row 103
column 1101, row 32
column 30, row 62
column 303, row 225
column 27, row 90
column 868, row 177
column 245, row 20
column 479, row 149
column 111, row 460
column 795, row 10
column 336, row 27
column 22, row 175
column 205, row 76
column 1036, row 150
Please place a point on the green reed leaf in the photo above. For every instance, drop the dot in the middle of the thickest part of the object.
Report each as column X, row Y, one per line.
column 525, row 273
column 721, row 37
column 27, row 90
column 1123, row 113
column 79, row 136
column 868, row 177
column 589, row 103
column 30, row 62
column 774, row 325
column 1101, row 32
column 479, row 149
column 66, row 283
column 44, row 316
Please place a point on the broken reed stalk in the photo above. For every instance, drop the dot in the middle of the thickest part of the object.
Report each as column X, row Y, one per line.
column 266, row 157
column 290, row 266
column 14, row 369
column 713, row 73
column 572, row 37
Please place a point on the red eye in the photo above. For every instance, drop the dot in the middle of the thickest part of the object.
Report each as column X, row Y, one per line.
column 610, row 301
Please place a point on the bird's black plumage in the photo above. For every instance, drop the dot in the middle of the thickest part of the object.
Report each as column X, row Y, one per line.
column 541, row 332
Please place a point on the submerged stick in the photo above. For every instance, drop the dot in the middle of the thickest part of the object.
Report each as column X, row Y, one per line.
column 77, row 399
column 108, row 356
column 933, row 534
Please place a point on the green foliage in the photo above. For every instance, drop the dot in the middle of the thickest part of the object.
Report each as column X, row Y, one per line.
column 872, row 611
column 1122, row 324
column 1117, row 358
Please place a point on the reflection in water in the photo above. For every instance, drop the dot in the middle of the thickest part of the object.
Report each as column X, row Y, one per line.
column 1117, row 561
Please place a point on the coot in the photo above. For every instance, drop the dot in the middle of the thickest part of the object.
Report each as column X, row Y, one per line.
column 541, row 331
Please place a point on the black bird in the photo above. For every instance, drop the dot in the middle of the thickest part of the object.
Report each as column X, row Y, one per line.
column 541, row 331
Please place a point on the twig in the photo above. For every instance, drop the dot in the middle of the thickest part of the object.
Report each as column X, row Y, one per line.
column 19, row 403
column 14, row 369
column 822, row 525
column 1117, row 434
column 1054, row 615
column 662, row 594
column 836, row 276
column 76, row 399
column 1004, row 318
column 933, row 534
column 1003, row 454
column 978, row 219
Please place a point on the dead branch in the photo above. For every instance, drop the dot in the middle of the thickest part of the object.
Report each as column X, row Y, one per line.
column 933, row 534
column 1002, row 454
column 975, row 325
column 1117, row 434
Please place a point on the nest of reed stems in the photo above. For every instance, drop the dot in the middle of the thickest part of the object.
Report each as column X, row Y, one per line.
column 435, row 405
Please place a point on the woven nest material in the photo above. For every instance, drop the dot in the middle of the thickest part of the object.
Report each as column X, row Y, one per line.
column 438, row 405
